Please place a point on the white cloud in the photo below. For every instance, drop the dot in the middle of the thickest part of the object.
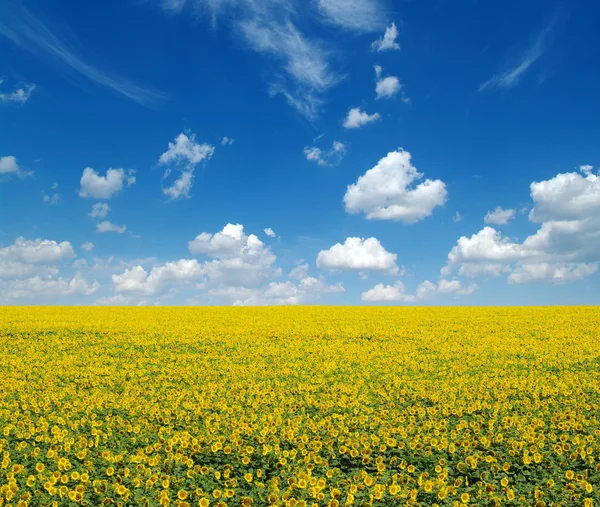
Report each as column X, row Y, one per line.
column 481, row 269
column 359, row 15
column 103, row 187
column 240, row 271
column 330, row 157
column 299, row 272
column 565, row 247
column 282, row 293
column 88, row 246
column 512, row 76
column 269, row 27
column 227, row 140
column 27, row 271
column 14, row 270
column 240, row 259
column 568, row 196
column 586, row 169
column 48, row 287
column 19, row 96
column 38, row 251
column 555, row 273
column 137, row 280
column 25, row 30
column 388, row 41
column 382, row 292
column 358, row 254
column 357, row 118
column 499, row 216
column 80, row 264
column 457, row 217
column 118, row 300
column 187, row 151
column 180, row 188
column 384, row 192
column 425, row 290
column 99, row 210
column 8, row 165
column 183, row 156
column 107, row 226
column 226, row 242
column 269, row 232
column 387, row 87
column 52, row 198
column 305, row 61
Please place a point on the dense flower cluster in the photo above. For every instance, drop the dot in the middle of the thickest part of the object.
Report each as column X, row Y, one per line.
column 299, row 406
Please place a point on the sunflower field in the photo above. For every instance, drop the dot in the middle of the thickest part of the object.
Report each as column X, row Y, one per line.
column 309, row 406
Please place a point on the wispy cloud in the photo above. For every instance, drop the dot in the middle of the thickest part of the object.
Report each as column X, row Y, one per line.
column 19, row 96
column 511, row 77
column 359, row 15
column 269, row 27
column 26, row 30
column 305, row 62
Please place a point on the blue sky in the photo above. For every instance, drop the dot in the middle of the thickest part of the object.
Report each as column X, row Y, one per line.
column 287, row 152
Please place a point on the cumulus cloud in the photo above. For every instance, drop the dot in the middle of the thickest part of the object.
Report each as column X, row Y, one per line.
column 227, row 141
column 88, row 246
column 270, row 232
column 99, row 210
column 568, row 196
column 566, row 246
column 239, row 259
column 358, row 254
column 107, row 226
column 182, row 157
column 137, row 280
column 357, row 118
column 282, row 293
column 39, row 286
column 387, row 87
column 326, row 158
column 425, row 290
column 38, row 251
column 381, row 292
column 94, row 185
column 499, row 216
column 388, row 41
column 388, row 191
column 8, row 165
column 239, row 270
column 28, row 271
